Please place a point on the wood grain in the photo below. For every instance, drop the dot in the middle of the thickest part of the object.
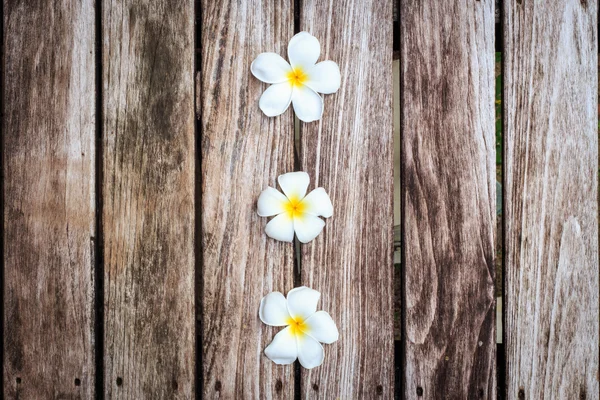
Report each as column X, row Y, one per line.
column 551, row 194
column 448, row 194
column 350, row 153
column 148, row 193
column 243, row 152
column 49, row 189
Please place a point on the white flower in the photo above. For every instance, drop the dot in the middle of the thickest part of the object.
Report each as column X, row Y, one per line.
column 295, row 211
column 298, row 83
column 306, row 327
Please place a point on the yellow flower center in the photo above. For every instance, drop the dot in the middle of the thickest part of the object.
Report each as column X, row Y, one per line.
column 297, row 77
column 297, row 326
column 295, row 207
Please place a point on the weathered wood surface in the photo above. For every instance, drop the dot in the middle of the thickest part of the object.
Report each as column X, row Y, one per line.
column 49, row 188
column 551, row 192
column 148, row 193
column 243, row 152
column 449, row 193
column 350, row 153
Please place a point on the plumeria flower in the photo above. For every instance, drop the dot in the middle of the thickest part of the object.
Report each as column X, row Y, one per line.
column 295, row 211
column 306, row 328
column 298, row 83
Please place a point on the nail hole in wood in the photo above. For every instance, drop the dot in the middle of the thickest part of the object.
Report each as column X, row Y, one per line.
column 119, row 381
column 18, row 380
column 521, row 394
column 315, row 387
column 218, row 386
column 77, row 382
column 379, row 390
column 419, row 391
column 278, row 385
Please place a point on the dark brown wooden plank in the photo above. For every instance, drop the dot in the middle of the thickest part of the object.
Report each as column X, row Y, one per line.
column 148, row 191
column 49, row 187
column 350, row 153
column 551, row 194
column 448, row 193
column 243, row 152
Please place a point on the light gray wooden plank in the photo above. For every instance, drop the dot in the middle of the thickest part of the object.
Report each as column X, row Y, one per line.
column 243, row 152
column 551, row 194
column 350, row 153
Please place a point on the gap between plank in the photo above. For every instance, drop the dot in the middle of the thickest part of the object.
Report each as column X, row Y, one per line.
column 98, row 242
column 398, row 345
column 198, row 261
column 2, row 195
column 500, row 347
column 401, row 358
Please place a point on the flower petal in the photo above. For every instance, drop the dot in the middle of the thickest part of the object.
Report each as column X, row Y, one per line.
column 302, row 302
column 273, row 309
column 294, row 184
column 271, row 202
column 281, row 228
column 283, row 349
column 310, row 352
column 270, row 68
column 307, row 227
column 276, row 99
column 318, row 203
column 308, row 105
column 320, row 326
column 304, row 50
column 324, row 77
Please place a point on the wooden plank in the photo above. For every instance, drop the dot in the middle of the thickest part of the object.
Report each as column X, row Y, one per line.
column 243, row 152
column 551, row 189
column 49, row 188
column 350, row 153
column 448, row 194
column 148, row 192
